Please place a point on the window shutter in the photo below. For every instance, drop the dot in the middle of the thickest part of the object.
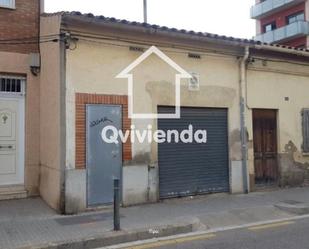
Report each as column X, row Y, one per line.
column 305, row 130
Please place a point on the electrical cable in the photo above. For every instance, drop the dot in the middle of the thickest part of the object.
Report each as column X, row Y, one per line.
column 109, row 42
column 31, row 40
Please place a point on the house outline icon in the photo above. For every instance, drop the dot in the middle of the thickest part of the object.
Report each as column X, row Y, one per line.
column 182, row 74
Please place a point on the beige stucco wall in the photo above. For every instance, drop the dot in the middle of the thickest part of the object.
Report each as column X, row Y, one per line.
column 50, row 138
column 18, row 64
column 92, row 68
column 219, row 77
column 268, row 85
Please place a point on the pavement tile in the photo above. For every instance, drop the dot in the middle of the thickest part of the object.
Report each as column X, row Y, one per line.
column 31, row 222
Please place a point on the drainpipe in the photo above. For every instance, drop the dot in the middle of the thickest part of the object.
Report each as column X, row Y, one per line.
column 62, row 111
column 243, row 129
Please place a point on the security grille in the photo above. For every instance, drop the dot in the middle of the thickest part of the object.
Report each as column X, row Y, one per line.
column 194, row 168
column 12, row 85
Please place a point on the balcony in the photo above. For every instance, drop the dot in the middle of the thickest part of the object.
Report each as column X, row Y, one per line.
column 293, row 30
column 269, row 7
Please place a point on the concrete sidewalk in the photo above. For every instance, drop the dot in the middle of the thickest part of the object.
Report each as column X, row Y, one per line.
column 30, row 223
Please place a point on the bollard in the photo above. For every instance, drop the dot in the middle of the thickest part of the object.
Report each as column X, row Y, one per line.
column 116, row 205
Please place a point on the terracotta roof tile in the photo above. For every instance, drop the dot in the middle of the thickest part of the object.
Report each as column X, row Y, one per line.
column 104, row 19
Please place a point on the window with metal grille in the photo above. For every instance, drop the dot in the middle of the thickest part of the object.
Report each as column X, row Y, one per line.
column 7, row 3
column 12, row 85
column 305, row 117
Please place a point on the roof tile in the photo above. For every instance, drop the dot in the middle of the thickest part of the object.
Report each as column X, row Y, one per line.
column 101, row 18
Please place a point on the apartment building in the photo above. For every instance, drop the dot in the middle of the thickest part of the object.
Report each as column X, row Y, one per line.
column 283, row 22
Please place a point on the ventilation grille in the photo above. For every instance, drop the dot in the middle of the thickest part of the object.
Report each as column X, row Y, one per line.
column 136, row 49
column 12, row 85
column 194, row 56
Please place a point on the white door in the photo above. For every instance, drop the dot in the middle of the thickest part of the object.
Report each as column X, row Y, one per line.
column 11, row 140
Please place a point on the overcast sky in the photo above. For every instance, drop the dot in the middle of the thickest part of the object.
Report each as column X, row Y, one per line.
column 225, row 17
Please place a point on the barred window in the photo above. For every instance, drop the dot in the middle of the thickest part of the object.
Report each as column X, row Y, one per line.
column 12, row 85
column 305, row 121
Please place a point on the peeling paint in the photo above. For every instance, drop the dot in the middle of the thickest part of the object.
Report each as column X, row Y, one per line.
column 296, row 155
column 217, row 96
column 139, row 159
column 294, row 168
column 235, row 145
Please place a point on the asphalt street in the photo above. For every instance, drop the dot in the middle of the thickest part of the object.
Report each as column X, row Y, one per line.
column 283, row 235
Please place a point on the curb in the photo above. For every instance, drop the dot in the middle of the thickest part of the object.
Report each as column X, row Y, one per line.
column 113, row 238
column 208, row 231
column 299, row 209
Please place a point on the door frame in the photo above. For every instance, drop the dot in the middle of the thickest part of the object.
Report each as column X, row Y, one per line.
column 86, row 156
column 21, row 136
column 276, row 183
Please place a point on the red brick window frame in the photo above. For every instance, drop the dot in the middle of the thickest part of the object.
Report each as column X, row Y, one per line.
column 81, row 100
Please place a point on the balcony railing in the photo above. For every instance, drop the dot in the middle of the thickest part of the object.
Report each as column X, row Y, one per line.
column 270, row 6
column 287, row 32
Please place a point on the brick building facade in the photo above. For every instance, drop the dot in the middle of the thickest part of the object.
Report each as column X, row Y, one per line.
column 20, row 23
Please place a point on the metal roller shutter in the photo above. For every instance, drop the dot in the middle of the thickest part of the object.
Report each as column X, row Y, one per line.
column 193, row 168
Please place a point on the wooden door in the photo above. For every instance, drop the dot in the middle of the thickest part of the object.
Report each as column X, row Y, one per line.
column 265, row 146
